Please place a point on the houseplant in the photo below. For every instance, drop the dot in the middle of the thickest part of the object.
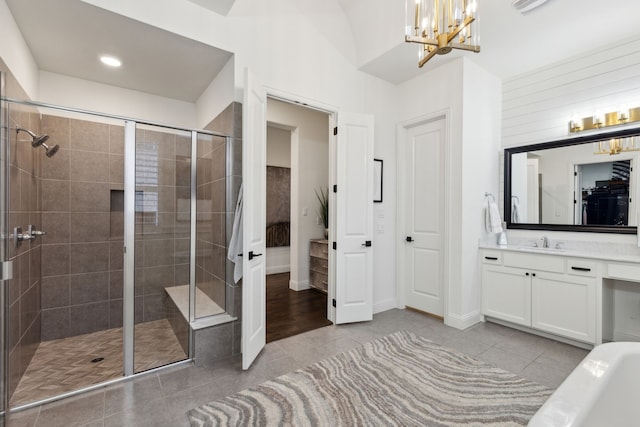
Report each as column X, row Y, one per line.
column 323, row 212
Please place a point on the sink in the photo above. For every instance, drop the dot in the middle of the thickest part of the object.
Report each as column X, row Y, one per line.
column 536, row 248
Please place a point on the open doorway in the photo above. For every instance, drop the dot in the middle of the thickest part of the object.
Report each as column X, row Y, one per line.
column 297, row 247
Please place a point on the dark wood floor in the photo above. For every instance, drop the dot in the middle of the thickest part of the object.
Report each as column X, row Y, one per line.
column 293, row 312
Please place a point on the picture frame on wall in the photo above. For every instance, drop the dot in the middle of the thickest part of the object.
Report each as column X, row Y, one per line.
column 377, row 181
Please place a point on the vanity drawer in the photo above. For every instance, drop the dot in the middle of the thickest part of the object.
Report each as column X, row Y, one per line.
column 624, row 271
column 491, row 257
column 550, row 263
column 582, row 267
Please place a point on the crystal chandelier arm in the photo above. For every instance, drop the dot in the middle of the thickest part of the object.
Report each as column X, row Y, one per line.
column 468, row 47
column 421, row 40
column 468, row 20
column 427, row 57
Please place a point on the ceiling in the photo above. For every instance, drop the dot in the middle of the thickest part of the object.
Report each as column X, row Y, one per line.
column 512, row 43
column 68, row 36
column 165, row 64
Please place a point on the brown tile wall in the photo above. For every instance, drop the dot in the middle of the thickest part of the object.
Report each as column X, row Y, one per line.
column 82, row 195
column 211, row 217
column 24, row 209
column 162, row 238
column 223, row 341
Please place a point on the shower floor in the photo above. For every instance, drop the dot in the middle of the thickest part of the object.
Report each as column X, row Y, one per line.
column 64, row 365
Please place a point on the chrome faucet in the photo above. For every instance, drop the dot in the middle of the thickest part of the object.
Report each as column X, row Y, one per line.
column 545, row 241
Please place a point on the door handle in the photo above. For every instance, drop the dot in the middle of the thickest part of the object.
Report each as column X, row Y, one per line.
column 252, row 255
column 409, row 239
column 367, row 243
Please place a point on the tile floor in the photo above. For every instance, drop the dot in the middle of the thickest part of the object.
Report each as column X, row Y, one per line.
column 163, row 398
column 63, row 365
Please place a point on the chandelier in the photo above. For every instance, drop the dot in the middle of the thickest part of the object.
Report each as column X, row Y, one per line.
column 441, row 26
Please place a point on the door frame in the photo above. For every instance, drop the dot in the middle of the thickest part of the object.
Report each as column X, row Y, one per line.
column 401, row 188
column 332, row 112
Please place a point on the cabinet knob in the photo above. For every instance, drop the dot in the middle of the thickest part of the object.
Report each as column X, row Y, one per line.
column 526, row 274
column 533, row 274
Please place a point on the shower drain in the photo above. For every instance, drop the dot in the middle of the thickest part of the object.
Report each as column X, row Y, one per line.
column 97, row 359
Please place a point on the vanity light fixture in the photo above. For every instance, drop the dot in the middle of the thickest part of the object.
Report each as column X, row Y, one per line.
column 440, row 26
column 616, row 146
column 111, row 61
column 599, row 120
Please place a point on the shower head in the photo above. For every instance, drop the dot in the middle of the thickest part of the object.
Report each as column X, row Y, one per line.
column 39, row 140
column 50, row 150
column 36, row 140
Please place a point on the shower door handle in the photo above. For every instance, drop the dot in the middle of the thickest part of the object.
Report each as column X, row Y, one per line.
column 252, row 255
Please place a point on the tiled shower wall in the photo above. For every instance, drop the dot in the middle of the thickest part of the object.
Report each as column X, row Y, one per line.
column 24, row 208
column 82, row 215
column 163, row 236
column 223, row 341
column 83, row 200
column 211, row 213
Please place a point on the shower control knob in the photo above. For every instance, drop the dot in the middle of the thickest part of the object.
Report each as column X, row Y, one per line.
column 35, row 233
column 18, row 236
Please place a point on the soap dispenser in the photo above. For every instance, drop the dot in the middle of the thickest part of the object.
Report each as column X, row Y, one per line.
column 502, row 236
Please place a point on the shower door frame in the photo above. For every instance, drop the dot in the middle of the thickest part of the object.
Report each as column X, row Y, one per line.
column 6, row 270
column 129, row 246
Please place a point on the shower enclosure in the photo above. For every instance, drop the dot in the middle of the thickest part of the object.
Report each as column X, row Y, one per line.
column 114, row 243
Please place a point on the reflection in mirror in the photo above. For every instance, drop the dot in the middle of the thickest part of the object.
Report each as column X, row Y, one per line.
column 604, row 193
column 584, row 184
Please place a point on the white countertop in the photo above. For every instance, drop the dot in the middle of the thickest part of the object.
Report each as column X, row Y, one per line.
column 577, row 249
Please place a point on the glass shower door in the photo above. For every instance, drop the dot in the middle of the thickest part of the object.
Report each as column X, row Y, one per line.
column 162, row 246
column 4, row 265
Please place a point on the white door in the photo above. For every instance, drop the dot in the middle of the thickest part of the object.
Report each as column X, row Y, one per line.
column 424, row 210
column 533, row 193
column 254, row 130
column 354, row 218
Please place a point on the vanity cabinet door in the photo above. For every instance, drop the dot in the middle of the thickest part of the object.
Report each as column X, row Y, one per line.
column 564, row 305
column 506, row 294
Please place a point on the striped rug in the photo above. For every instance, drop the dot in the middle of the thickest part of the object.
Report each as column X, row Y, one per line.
column 398, row 380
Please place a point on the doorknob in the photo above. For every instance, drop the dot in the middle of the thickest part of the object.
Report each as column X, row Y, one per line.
column 409, row 239
column 252, row 255
column 367, row 243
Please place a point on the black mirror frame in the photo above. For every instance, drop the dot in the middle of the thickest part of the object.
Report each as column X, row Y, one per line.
column 508, row 152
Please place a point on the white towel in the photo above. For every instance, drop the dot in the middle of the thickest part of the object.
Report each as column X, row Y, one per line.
column 493, row 223
column 515, row 210
column 235, row 244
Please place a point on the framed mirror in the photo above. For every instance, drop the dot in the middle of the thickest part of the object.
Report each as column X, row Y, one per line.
column 589, row 183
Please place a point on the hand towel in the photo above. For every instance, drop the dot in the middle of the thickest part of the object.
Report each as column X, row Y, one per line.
column 515, row 210
column 492, row 216
column 235, row 244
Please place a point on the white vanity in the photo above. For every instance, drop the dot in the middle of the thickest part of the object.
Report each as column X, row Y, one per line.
column 566, row 292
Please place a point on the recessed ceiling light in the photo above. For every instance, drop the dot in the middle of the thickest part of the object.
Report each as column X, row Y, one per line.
column 111, row 61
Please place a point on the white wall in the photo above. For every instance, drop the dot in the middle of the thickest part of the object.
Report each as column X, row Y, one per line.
column 480, row 147
column 472, row 169
column 309, row 172
column 16, row 54
column 217, row 96
column 538, row 105
column 278, row 147
column 68, row 91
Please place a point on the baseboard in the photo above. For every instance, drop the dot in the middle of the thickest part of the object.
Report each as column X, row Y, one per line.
column 299, row 286
column 625, row 336
column 385, row 305
column 275, row 269
column 462, row 322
